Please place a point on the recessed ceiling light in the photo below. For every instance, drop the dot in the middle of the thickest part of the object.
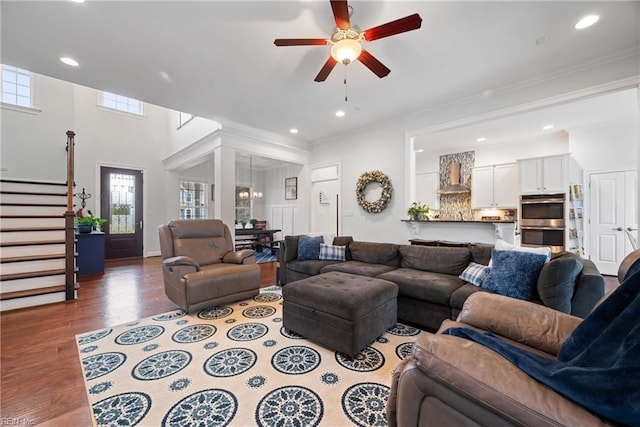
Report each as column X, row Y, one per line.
column 481, row 139
column 78, row 1
column 547, row 127
column 293, row 130
column 420, row 150
column 587, row 21
column 339, row 113
column 69, row 61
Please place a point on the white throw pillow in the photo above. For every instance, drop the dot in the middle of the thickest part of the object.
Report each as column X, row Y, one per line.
column 501, row 245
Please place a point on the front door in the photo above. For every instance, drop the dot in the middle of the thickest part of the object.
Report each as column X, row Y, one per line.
column 121, row 204
column 607, row 220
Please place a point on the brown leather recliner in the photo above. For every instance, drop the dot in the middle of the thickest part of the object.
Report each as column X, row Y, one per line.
column 201, row 268
column 450, row 381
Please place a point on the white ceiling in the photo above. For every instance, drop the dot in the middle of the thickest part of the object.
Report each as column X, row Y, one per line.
column 616, row 107
column 216, row 59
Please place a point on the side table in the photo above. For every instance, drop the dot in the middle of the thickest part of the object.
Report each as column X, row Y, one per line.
column 90, row 248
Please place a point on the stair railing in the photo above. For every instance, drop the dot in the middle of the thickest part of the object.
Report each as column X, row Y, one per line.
column 70, row 259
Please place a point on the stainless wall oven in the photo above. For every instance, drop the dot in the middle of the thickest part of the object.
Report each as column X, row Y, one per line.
column 542, row 220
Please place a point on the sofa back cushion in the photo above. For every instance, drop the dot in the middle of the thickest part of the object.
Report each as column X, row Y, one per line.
column 480, row 253
column 446, row 260
column 556, row 281
column 375, row 253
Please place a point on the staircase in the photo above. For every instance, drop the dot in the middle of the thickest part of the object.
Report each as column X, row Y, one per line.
column 37, row 241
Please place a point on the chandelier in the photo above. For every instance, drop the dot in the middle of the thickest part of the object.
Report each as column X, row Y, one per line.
column 250, row 194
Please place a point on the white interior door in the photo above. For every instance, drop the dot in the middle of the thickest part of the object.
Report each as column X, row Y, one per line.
column 324, row 205
column 607, row 220
column 631, row 208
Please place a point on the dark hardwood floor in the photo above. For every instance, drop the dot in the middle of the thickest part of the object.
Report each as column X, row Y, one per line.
column 40, row 375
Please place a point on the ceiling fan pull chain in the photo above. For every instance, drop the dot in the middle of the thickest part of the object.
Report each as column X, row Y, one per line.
column 345, row 84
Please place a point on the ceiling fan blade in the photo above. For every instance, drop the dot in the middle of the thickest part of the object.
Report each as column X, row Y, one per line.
column 408, row 23
column 369, row 61
column 326, row 69
column 300, row 42
column 341, row 13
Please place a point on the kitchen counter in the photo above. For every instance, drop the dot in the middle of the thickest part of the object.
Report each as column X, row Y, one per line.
column 463, row 231
column 474, row 221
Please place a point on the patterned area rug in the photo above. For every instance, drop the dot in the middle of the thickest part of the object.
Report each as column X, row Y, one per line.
column 265, row 256
column 234, row 365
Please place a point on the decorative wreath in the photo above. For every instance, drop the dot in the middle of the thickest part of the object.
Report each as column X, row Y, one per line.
column 367, row 178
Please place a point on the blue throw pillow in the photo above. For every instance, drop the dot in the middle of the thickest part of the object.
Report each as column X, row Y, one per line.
column 309, row 247
column 514, row 274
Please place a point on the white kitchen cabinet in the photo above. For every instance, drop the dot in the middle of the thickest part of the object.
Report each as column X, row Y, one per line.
column 495, row 186
column 544, row 175
column 427, row 185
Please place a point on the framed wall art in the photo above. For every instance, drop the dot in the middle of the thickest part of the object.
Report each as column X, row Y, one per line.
column 291, row 188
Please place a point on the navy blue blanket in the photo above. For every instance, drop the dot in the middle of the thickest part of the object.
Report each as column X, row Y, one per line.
column 598, row 365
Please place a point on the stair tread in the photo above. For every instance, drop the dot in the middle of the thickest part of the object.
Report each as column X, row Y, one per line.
column 32, row 258
column 14, row 229
column 32, row 193
column 30, row 216
column 32, row 243
column 36, row 205
column 18, row 181
column 32, row 292
column 14, row 276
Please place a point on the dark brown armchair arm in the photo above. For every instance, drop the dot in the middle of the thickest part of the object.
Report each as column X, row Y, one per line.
column 244, row 256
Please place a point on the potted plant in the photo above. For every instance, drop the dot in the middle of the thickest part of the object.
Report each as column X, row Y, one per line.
column 253, row 222
column 87, row 223
column 418, row 212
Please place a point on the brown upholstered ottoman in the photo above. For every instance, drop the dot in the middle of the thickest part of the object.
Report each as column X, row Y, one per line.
column 342, row 311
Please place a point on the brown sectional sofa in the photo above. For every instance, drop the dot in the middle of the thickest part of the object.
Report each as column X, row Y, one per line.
column 430, row 290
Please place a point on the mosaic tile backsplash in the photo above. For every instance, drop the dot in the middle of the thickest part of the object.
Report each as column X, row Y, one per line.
column 452, row 204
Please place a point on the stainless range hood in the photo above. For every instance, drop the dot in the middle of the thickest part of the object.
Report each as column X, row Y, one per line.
column 454, row 186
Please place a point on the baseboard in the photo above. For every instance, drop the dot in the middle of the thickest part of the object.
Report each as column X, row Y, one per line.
column 153, row 253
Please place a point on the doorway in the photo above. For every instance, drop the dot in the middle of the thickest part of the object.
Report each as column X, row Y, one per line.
column 121, row 203
column 613, row 215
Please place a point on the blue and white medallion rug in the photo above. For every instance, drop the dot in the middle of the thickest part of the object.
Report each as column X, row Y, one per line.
column 234, row 365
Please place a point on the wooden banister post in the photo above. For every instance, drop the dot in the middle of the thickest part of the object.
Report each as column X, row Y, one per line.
column 70, row 236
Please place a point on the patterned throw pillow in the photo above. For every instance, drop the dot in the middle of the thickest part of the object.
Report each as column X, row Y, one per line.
column 514, row 273
column 332, row 252
column 475, row 273
column 309, row 247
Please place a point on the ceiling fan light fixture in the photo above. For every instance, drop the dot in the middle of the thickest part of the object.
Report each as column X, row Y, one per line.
column 346, row 51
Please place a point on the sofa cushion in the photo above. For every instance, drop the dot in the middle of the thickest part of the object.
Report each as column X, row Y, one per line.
column 501, row 245
column 375, row 253
column 557, row 280
column 310, row 267
column 460, row 295
column 480, row 253
column 291, row 248
column 309, row 247
column 424, row 285
column 332, row 252
column 359, row 268
column 475, row 273
column 344, row 241
column 446, row 260
column 514, row 273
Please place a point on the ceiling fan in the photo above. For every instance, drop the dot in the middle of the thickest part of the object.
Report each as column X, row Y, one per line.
column 346, row 41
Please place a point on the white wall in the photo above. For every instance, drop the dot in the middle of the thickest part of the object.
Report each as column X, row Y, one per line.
column 608, row 147
column 33, row 146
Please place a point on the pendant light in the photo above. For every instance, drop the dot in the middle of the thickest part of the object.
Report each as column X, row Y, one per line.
column 254, row 194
